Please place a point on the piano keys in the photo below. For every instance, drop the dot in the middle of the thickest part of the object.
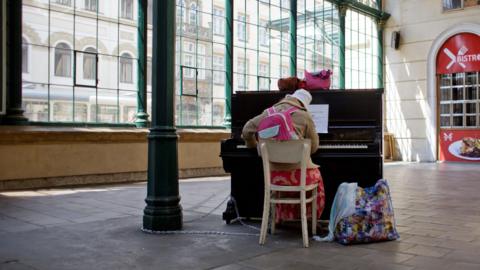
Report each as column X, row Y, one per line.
column 351, row 151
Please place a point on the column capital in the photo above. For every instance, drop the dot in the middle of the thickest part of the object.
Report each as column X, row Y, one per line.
column 342, row 10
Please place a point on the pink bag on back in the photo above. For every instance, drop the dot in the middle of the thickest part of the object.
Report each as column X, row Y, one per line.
column 318, row 80
column 277, row 125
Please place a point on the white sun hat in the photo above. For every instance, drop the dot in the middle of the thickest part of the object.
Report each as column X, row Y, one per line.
column 303, row 96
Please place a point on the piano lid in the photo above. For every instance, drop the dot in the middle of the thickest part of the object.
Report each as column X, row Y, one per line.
column 347, row 108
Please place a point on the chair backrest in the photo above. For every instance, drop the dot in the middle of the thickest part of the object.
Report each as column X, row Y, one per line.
column 292, row 152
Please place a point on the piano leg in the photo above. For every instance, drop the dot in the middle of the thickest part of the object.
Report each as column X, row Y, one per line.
column 230, row 213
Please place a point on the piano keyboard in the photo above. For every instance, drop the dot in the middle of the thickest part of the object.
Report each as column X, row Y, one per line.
column 343, row 146
column 329, row 146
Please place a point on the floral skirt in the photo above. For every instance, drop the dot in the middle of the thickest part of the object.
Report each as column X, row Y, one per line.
column 292, row 178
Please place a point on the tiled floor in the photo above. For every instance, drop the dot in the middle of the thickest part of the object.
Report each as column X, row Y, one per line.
column 436, row 207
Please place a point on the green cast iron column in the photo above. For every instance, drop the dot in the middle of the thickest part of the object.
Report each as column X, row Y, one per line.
column 228, row 62
column 14, row 114
column 142, row 116
column 342, row 13
column 380, row 25
column 163, row 210
column 293, row 38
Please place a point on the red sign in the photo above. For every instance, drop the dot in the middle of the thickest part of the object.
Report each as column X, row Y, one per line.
column 460, row 53
column 459, row 145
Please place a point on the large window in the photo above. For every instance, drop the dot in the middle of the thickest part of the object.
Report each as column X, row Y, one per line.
column 77, row 69
column 63, row 60
column 60, row 72
column 361, row 51
column 459, row 100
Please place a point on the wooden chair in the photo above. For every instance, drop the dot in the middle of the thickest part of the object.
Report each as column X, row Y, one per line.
column 294, row 151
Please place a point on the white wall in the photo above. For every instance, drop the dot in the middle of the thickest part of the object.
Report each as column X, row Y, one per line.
column 410, row 104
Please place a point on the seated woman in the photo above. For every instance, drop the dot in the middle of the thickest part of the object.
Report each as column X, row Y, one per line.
column 289, row 174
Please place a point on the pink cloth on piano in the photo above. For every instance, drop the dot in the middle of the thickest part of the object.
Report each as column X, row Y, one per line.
column 292, row 178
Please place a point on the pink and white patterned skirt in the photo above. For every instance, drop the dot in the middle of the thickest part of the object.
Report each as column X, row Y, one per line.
column 292, row 178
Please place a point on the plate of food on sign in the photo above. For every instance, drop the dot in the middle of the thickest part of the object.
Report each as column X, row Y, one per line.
column 468, row 148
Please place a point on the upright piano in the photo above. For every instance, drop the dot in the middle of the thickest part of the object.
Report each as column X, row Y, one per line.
column 351, row 151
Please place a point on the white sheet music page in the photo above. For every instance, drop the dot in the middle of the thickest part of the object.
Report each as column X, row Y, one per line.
column 320, row 117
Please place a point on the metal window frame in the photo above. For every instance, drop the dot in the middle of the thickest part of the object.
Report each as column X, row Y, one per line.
column 75, row 84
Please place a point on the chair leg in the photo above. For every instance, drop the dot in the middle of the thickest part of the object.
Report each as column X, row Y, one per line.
column 272, row 225
column 304, row 218
column 266, row 210
column 314, row 211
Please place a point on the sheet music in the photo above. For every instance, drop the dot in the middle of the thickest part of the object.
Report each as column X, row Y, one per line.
column 320, row 117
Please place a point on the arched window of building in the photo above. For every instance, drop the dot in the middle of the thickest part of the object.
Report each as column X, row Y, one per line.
column 89, row 64
column 126, row 68
column 63, row 60
column 193, row 13
column 127, row 9
column 24, row 56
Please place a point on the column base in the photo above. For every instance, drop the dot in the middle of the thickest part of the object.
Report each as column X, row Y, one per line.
column 14, row 117
column 162, row 218
column 141, row 120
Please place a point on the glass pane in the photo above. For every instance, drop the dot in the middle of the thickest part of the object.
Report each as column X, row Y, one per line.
column 471, row 121
column 205, row 113
column 458, row 108
column 128, row 106
column 218, row 111
column 188, row 111
column 458, row 121
column 445, row 80
column 110, row 8
column 445, row 121
column 86, row 69
column 445, row 94
column 35, row 101
column 85, row 99
column 61, row 103
column 457, row 78
column 471, row 78
column 107, row 71
column 471, row 92
column 445, row 108
column 128, row 40
column 61, row 22
column 471, row 108
column 33, row 66
column 457, row 93
column 189, row 84
column 107, row 38
column 85, row 33
column 107, row 106
column 35, row 24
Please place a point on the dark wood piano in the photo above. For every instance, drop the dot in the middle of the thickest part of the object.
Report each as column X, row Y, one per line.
column 351, row 151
